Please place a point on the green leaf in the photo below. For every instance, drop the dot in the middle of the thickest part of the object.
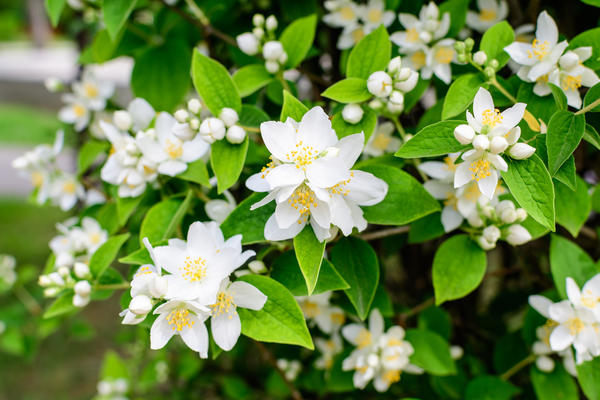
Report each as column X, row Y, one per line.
column 253, row 116
column 113, row 367
column 62, row 305
column 251, row 78
column 461, row 93
column 495, row 39
column 591, row 38
column 105, row 254
column 141, row 255
column 250, row 223
column 572, row 207
column 588, row 375
column 565, row 131
column 596, row 199
column 567, row 174
column 437, row 320
column 161, row 75
column 227, row 161
column 356, row 261
column 102, row 49
column 350, row 90
column 292, row 107
column 426, row 228
column 557, row 384
column 434, row 140
column 406, row 199
column 412, row 98
column 366, row 125
column 569, row 260
column 592, row 136
column 196, row 172
column 309, row 253
column 213, row 83
column 54, row 9
column 592, row 95
column 163, row 218
column 432, row 352
column 458, row 268
column 531, row 185
column 371, row 54
column 89, row 153
column 115, row 13
column 280, row 320
column 126, row 206
column 458, row 15
column 559, row 97
column 297, row 39
column 286, row 270
column 490, row 388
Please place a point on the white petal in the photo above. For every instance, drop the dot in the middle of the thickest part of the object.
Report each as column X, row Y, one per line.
column 487, row 185
column 286, row 214
column 274, row 232
column 436, row 169
column 194, row 149
column 315, row 130
column 247, row 296
column 196, row 336
column 462, row 175
column 200, row 240
column 546, row 29
column 160, row 333
column 325, row 172
column 365, row 189
column 172, row 167
column 560, row 338
column 350, row 148
column 519, row 52
column 285, row 175
column 451, row 219
column 169, row 258
column 279, row 137
column 141, row 112
column 439, row 190
column 376, row 324
column 226, row 329
column 573, row 292
column 513, row 115
column 482, row 101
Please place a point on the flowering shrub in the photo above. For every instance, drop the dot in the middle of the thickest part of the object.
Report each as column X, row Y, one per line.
column 297, row 191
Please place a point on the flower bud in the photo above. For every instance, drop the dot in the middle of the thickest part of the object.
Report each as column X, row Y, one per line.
column 487, row 210
column 236, row 134
column 53, row 85
column 51, row 291
column 181, row 115
column 63, row 271
column 397, row 97
column 459, row 47
column 83, row 288
column 212, row 128
column 259, row 33
column 258, row 20
column 248, row 43
column 409, row 83
column 194, row 106
column 271, row 23
column 375, row 104
column 464, row 134
column 120, row 385
column 140, row 305
column 481, row 142
column 395, row 108
column 494, row 64
column 480, row 57
column 404, row 73
column 517, row 235
column 82, row 270
column 272, row 50
column 282, row 58
column 43, row 280
column 195, row 124
column 122, row 120
column 56, row 279
column 461, row 58
column 183, row 131
column 425, row 36
column 484, row 244
column 521, row 214
column 521, row 151
column 498, row 144
column 394, row 65
column 456, row 352
column 491, row 233
column 257, row 266
column 104, row 388
column 218, row 210
column 80, row 301
column 159, row 286
column 545, row 364
column 508, row 216
column 475, row 220
column 352, row 113
column 489, row 72
column 272, row 66
column 379, row 84
column 229, row 116
column 568, row 60
column 469, row 43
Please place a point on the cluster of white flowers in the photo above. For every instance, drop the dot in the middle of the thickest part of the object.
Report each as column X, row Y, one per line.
column 72, row 251
column 381, row 356
column 113, row 389
column 8, row 275
column 382, row 140
column 424, row 45
column 490, row 13
column 573, row 322
column 309, row 177
column 144, row 145
column 545, row 60
column 390, row 86
column 356, row 20
column 290, row 368
column 196, row 288
column 262, row 38
column 491, row 133
column 543, row 352
column 88, row 95
column 196, row 121
column 51, row 182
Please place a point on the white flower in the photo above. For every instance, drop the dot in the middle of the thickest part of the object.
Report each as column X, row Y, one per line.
column 342, row 13
column 141, row 113
column 248, row 43
column 94, row 235
column 271, row 23
column 225, row 322
column 352, row 113
column 490, row 13
column 373, row 14
column 198, row 267
column 421, row 31
column 273, row 50
column 93, row 91
column 351, row 35
column 540, row 57
column 588, row 297
column 65, row 190
column 328, row 348
column 572, row 75
column 218, row 210
column 75, row 112
column 379, row 84
column 183, row 318
column 438, row 61
column 541, row 348
column 382, row 140
column 316, row 308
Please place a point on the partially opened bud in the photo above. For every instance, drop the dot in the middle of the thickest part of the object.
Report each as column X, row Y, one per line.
column 229, row 116
column 80, row 301
column 379, row 84
column 464, row 134
column 545, row 363
column 272, row 66
column 82, row 270
column 122, row 120
column 498, row 144
column 183, row 131
column 491, row 233
column 272, row 50
column 521, row 151
column 181, row 115
column 194, row 106
column 271, row 23
column 568, row 60
column 394, row 65
column 480, row 57
column 140, row 305
column 159, row 286
column 517, row 235
column 481, row 142
column 83, row 288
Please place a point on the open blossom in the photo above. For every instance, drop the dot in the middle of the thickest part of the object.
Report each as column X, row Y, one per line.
column 310, row 178
column 570, row 75
column 490, row 13
column 65, row 190
column 93, row 91
column 318, row 310
column 329, row 348
column 342, row 13
column 423, row 30
column 373, row 14
column 74, row 112
column 382, row 140
column 541, row 348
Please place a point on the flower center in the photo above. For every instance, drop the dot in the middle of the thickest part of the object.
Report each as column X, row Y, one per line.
column 267, row 168
column 395, row 342
column 302, row 199
column 363, row 339
column 347, row 13
column 37, row 178
column 302, row 156
column 418, row 59
column 539, row 49
column 95, row 238
column 575, row 325
column 340, row 188
column 391, row 376
column 487, row 14
column 374, row 15
column 174, row 149
column 194, row 269
column 451, row 200
column 310, row 309
column 69, row 187
column 148, row 170
column 179, row 319
column 145, row 270
column 571, row 82
column 223, row 305
column 472, row 193
column 381, row 141
column 491, row 117
column 589, row 300
column 443, row 55
column 450, row 163
column 357, row 34
column 90, row 90
column 78, row 110
column 480, row 169
column 338, row 318
column 412, row 35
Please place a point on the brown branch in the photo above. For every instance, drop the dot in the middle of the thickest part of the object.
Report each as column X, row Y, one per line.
column 589, row 232
column 271, row 359
column 402, row 317
column 384, row 233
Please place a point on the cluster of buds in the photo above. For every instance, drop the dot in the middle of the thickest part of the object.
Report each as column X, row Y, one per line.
column 113, row 389
column 211, row 129
column 390, row 86
column 485, row 141
column 262, row 38
column 65, row 278
column 500, row 221
column 464, row 54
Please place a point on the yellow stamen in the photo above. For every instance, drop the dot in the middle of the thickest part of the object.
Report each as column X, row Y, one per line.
column 492, row 117
column 480, row 169
column 571, row 82
column 78, row 110
column 412, row 35
column 487, row 14
column 418, row 59
column 357, row 34
column 381, row 141
column 223, row 305
column 90, row 90
column 443, row 55
column 391, row 376
column 174, row 150
column 374, row 15
column 69, row 187
column 575, row 325
column 194, row 269
column 539, row 49
column 347, row 13
column 363, row 339
column 450, row 163
column 37, row 179
column 310, row 309
column 179, row 319
column 302, row 200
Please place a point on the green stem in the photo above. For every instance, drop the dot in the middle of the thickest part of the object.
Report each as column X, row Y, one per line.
column 250, row 129
column 399, row 127
column 402, row 132
column 27, row 299
column 113, row 286
column 518, row 366
column 590, row 106
column 498, row 86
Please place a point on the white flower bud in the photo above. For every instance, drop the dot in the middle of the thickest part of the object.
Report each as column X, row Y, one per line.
column 212, row 128
column 352, row 113
column 258, row 20
column 484, row 244
column 404, row 73
column 43, row 280
column 104, row 388
column 56, row 279
column 464, row 134
column 487, row 210
column 80, row 301
column 568, row 60
column 491, row 233
column 456, row 352
column 545, row 363
column 409, row 83
column 521, row 214
column 394, row 65
column 498, row 144
column 83, row 288
column 475, row 220
column 120, row 385
column 375, row 104
column 194, row 106
column 481, row 142
column 181, row 115
column 53, row 85
column 248, row 43
column 521, row 151
column 395, row 108
column 397, row 97
column 159, row 286
column 257, row 266
column 505, row 205
column 379, row 84
column 122, row 120
column 425, row 36
column 236, row 134
column 517, row 235
column 183, row 131
column 283, row 58
column 63, row 271
column 508, row 216
column 51, row 291
column 195, row 124
column 272, row 50
column 218, row 210
column 229, row 116
column 140, row 305
column 271, row 23
column 272, row 66
column 258, row 32
column 82, row 270
column 480, row 57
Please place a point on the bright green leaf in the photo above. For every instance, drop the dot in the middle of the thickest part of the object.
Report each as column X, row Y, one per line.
column 593, row 94
column 297, row 39
column 556, row 384
column 495, row 39
column 461, row 93
column 115, row 13
column 366, row 125
column 371, row 54
column 213, row 83
column 227, row 161
column 350, row 90
column 163, row 218
column 62, row 305
column 490, row 388
column 89, row 153
column 434, row 140
column 54, row 9
column 309, row 253
column 591, row 38
column 559, row 96
column 196, row 172
column 251, row 78
column 569, row 260
column 126, row 206
column 105, row 254
column 591, row 136
column 565, row 131
column 292, row 107
column 250, row 223
column 432, row 352
column 588, row 375
column 572, row 207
